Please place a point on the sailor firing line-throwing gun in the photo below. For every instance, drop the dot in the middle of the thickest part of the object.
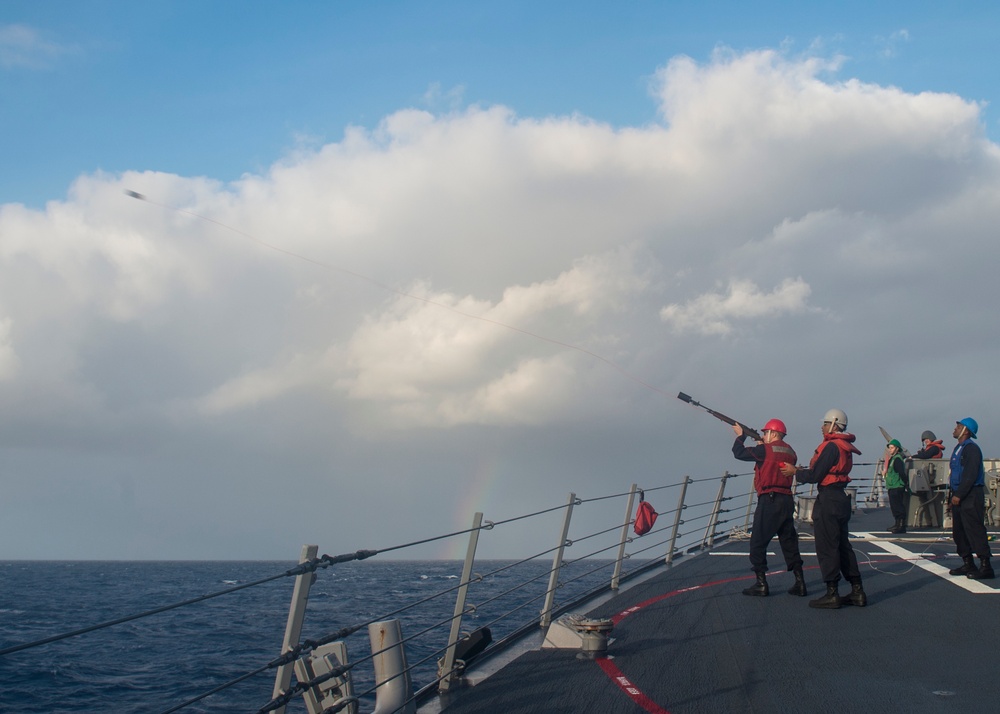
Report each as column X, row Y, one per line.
column 775, row 513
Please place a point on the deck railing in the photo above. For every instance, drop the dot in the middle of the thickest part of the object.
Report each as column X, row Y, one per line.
column 614, row 554
column 426, row 644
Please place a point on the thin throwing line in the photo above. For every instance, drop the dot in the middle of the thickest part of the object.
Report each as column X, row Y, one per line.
column 388, row 288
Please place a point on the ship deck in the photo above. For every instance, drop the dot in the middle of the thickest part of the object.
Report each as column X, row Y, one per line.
column 687, row 640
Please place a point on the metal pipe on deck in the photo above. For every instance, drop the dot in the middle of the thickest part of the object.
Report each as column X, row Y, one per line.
column 392, row 677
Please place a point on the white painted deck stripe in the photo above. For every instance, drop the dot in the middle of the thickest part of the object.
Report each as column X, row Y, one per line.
column 973, row 586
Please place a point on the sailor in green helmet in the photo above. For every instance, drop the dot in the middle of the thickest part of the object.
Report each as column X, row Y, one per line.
column 897, row 485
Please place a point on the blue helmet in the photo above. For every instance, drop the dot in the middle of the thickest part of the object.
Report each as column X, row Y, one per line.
column 971, row 424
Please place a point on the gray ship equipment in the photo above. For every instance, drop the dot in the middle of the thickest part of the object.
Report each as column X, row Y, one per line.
column 589, row 635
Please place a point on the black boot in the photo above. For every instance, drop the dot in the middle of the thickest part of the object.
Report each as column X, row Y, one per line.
column 830, row 601
column 985, row 571
column 799, row 588
column 759, row 588
column 857, row 595
column 894, row 528
column 901, row 527
column 968, row 566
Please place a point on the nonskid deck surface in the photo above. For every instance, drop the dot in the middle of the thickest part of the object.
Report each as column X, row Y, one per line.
column 688, row 640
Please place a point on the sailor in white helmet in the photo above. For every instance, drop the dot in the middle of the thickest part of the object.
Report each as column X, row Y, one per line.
column 829, row 468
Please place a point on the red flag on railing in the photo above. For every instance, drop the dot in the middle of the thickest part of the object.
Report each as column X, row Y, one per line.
column 645, row 516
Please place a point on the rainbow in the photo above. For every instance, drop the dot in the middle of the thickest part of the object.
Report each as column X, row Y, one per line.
column 477, row 496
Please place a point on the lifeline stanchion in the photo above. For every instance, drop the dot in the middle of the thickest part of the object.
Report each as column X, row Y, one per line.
column 677, row 520
column 616, row 576
column 710, row 531
column 456, row 624
column 293, row 627
column 546, row 619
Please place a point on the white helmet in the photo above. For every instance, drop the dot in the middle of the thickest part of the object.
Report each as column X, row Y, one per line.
column 837, row 417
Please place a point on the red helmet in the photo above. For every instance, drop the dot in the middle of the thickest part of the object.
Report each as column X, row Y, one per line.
column 776, row 425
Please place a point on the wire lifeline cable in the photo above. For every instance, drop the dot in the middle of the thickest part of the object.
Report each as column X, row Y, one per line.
column 307, row 646
column 307, row 566
column 216, row 690
column 301, row 568
column 299, row 687
column 395, row 291
column 287, row 696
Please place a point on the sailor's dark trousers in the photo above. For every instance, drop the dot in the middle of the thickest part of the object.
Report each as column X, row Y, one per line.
column 967, row 526
column 898, row 502
column 831, row 516
column 775, row 516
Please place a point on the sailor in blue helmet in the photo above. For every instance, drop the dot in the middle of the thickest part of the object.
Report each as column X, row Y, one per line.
column 968, row 503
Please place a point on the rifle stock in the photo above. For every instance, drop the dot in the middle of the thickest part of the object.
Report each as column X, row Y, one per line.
column 752, row 433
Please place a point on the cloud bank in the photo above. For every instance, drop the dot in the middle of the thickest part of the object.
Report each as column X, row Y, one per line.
column 378, row 318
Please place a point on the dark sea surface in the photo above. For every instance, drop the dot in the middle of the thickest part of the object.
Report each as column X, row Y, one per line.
column 158, row 662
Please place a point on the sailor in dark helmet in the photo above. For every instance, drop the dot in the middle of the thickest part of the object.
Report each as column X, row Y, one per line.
column 775, row 513
column 896, row 483
column 931, row 447
column 829, row 468
column 968, row 503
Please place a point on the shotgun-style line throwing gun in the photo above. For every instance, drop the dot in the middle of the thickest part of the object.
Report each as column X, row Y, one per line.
column 752, row 433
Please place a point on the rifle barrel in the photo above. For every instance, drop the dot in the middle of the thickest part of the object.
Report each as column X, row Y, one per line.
column 753, row 433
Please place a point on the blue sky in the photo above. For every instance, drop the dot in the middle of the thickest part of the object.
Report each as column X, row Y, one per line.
column 222, row 88
column 777, row 208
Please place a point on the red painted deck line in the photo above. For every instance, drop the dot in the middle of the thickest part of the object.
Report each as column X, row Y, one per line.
column 646, row 603
column 633, row 692
column 619, row 678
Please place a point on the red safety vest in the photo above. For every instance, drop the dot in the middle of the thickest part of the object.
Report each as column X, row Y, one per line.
column 767, row 477
column 846, row 451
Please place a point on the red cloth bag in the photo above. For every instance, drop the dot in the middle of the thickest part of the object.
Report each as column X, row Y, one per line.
column 645, row 517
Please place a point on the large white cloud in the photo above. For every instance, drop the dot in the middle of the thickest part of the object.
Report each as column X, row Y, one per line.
column 22, row 46
column 714, row 314
column 468, row 282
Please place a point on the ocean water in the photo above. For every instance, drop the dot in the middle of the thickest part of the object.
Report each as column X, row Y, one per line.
column 161, row 661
